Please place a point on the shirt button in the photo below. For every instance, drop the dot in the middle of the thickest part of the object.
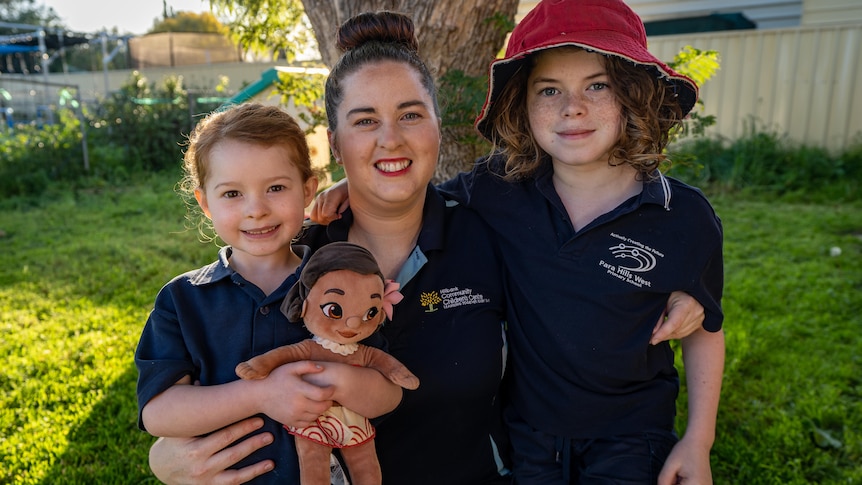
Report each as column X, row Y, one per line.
column 264, row 310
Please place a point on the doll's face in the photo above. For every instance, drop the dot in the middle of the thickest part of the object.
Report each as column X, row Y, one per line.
column 344, row 306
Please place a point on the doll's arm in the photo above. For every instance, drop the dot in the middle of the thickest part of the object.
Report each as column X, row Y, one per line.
column 260, row 366
column 389, row 366
column 703, row 356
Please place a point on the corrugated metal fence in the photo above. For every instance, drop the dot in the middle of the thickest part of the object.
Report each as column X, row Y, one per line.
column 804, row 82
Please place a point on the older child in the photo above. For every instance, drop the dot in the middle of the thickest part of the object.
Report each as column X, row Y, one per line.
column 249, row 170
column 579, row 113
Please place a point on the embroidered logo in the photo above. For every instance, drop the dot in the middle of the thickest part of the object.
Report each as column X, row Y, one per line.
column 429, row 300
column 633, row 258
column 450, row 298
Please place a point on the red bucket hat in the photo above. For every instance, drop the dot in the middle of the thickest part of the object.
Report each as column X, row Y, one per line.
column 607, row 27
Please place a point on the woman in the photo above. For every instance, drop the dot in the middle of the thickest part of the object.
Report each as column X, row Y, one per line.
column 384, row 127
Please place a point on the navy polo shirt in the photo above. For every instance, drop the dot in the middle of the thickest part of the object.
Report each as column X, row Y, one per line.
column 447, row 330
column 582, row 304
column 204, row 323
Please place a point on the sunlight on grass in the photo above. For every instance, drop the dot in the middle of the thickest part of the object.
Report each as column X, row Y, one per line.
column 77, row 279
column 64, row 354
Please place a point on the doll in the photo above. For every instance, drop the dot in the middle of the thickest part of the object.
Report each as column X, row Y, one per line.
column 342, row 298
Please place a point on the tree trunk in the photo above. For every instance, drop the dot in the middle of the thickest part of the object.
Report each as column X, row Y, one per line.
column 460, row 35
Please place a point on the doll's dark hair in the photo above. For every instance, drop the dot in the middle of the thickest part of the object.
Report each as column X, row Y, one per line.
column 368, row 38
column 332, row 257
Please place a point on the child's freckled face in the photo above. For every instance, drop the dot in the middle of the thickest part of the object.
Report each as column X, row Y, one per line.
column 344, row 306
column 573, row 112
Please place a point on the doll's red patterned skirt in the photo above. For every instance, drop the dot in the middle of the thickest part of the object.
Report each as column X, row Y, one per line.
column 338, row 427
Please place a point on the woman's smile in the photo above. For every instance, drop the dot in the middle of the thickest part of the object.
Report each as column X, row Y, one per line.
column 393, row 166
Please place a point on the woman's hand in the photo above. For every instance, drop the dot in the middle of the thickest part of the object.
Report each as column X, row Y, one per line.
column 330, row 204
column 205, row 461
column 681, row 318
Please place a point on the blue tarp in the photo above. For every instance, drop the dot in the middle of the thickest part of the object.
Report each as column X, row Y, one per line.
column 14, row 49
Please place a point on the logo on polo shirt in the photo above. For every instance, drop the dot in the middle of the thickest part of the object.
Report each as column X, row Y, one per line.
column 450, row 298
column 631, row 260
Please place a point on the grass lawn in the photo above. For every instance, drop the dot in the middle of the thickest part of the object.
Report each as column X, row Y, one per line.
column 79, row 274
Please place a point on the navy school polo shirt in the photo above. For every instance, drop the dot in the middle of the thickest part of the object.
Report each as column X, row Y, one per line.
column 447, row 330
column 204, row 323
column 582, row 305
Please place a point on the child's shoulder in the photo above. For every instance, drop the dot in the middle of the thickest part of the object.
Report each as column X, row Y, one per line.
column 683, row 191
column 201, row 276
column 689, row 203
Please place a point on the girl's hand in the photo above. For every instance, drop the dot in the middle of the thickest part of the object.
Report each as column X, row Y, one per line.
column 287, row 395
column 687, row 464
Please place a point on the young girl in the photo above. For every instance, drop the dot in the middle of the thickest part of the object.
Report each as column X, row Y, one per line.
column 249, row 170
column 579, row 113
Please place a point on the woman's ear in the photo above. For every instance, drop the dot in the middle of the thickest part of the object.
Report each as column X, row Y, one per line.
column 201, row 197
column 333, row 146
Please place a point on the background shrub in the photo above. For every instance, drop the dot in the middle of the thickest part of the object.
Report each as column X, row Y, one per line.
column 766, row 163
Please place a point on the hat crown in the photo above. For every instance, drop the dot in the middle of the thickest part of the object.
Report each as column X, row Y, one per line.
column 552, row 22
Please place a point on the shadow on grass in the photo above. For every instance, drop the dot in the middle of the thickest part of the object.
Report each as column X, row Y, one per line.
column 107, row 447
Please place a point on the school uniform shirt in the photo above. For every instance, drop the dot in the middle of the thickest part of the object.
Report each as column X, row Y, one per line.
column 448, row 331
column 203, row 324
column 582, row 304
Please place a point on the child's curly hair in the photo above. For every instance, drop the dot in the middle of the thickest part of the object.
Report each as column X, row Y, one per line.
column 650, row 115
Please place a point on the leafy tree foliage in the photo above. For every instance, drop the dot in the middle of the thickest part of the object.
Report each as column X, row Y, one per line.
column 27, row 12
column 189, row 22
column 700, row 66
column 278, row 28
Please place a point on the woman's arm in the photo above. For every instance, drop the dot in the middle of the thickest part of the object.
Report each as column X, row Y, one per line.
column 703, row 356
column 185, row 410
column 204, row 461
column 330, row 203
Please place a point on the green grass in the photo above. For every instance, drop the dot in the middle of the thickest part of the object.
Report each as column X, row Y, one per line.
column 78, row 275
column 791, row 410
column 77, row 279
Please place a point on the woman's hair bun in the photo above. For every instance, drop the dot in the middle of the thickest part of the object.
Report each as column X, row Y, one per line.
column 383, row 26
